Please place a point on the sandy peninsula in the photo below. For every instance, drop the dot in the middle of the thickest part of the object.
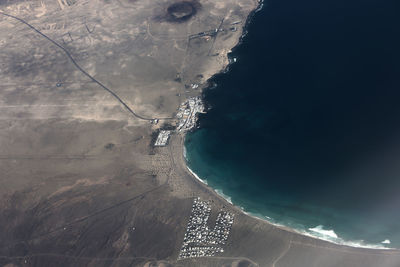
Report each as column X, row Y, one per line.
column 86, row 87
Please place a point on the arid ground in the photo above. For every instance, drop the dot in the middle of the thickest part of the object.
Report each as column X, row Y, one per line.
column 81, row 184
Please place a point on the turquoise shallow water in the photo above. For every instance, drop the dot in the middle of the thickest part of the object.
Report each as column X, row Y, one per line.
column 304, row 129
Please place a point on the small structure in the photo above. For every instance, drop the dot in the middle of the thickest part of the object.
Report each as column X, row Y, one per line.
column 162, row 138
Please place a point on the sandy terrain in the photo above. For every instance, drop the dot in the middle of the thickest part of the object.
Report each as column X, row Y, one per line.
column 81, row 183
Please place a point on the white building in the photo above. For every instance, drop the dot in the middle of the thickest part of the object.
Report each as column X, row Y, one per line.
column 162, row 138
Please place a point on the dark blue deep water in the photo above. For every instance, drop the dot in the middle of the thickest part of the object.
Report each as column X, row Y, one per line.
column 305, row 127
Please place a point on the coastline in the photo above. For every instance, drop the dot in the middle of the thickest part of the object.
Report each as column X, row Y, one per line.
column 318, row 232
column 318, row 229
column 83, row 184
column 266, row 243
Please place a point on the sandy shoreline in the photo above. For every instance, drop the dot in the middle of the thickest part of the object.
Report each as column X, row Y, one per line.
column 341, row 242
column 267, row 230
column 228, row 199
column 275, row 237
column 82, row 183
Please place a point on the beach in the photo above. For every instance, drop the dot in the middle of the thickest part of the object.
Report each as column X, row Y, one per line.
column 279, row 243
column 296, row 134
column 88, row 87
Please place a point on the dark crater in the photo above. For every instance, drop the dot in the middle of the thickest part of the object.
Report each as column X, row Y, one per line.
column 182, row 11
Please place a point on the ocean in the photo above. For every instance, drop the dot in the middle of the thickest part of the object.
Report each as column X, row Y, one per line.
column 304, row 128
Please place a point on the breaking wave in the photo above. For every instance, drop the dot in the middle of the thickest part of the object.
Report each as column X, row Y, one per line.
column 196, row 176
column 184, row 152
column 331, row 236
column 226, row 197
column 318, row 232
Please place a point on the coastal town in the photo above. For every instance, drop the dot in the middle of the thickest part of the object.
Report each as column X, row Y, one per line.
column 187, row 114
column 187, row 117
column 96, row 99
column 199, row 240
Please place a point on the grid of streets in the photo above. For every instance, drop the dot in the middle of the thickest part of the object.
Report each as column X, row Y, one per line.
column 199, row 241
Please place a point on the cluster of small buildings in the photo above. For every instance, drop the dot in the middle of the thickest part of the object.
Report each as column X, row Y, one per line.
column 162, row 138
column 187, row 118
column 196, row 252
column 222, row 228
column 194, row 85
column 187, row 113
column 197, row 229
column 199, row 241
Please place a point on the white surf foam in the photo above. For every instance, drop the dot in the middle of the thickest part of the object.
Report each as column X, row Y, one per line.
column 330, row 236
column 260, row 6
column 319, row 230
column 184, row 152
column 362, row 244
column 197, row 177
column 316, row 232
column 226, row 197
column 218, row 191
